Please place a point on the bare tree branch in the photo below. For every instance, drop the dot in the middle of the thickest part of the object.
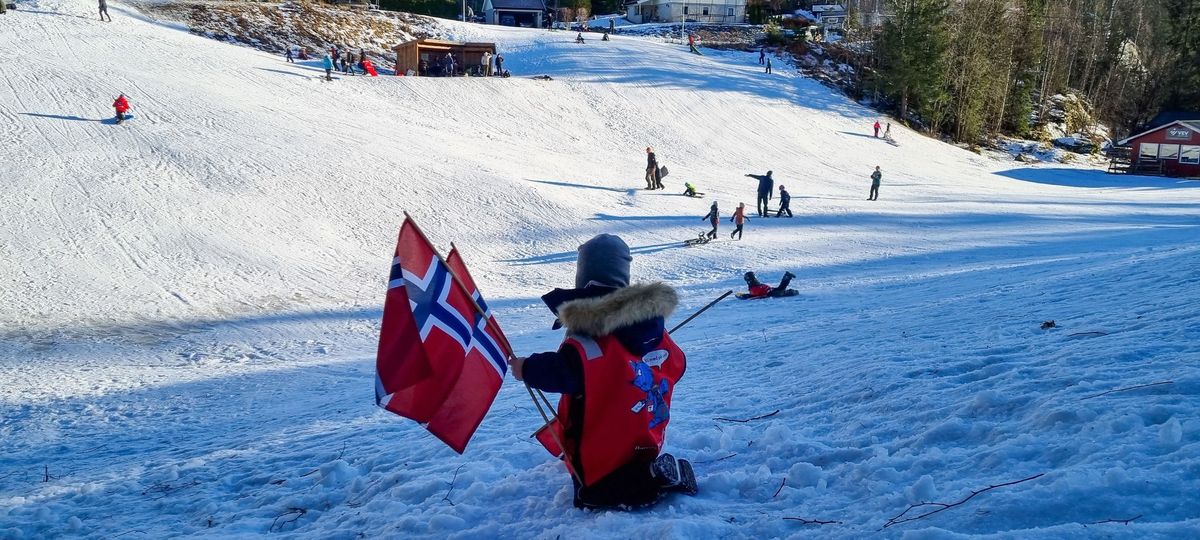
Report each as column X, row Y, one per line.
column 743, row 421
column 813, row 521
column 715, row 460
column 1121, row 521
column 1126, row 389
column 781, row 484
column 296, row 513
column 452, row 480
column 939, row 507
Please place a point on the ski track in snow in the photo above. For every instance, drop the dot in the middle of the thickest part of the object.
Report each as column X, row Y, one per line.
column 190, row 301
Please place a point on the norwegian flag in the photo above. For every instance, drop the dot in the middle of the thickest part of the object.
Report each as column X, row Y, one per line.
column 438, row 363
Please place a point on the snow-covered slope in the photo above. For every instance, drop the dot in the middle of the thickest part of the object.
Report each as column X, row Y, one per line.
column 190, row 301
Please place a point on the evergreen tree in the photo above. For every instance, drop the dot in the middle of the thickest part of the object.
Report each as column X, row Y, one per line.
column 912, row 53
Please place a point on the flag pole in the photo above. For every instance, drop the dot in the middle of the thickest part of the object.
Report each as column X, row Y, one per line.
column 702, row 310
column 492, row 326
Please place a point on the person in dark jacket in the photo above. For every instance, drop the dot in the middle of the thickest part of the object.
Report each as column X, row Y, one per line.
column 875, row 177
column 785, row 201
column 714, row 217
column 766, row 185
column 756, row 289
column 768, row 66
column 290, row 59
column 762, row 56
column 652, row 181
column 103, row 10
column 616, row 352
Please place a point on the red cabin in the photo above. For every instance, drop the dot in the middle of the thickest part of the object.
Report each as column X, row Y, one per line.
column 1172, row 149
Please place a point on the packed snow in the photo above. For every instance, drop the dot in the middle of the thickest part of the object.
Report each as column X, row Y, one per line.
column 191, row 300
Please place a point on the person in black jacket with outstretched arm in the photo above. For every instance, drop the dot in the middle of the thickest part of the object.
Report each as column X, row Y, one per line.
column 766, row 185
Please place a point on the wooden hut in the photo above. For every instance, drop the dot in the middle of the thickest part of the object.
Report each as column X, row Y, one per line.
column 427, row 57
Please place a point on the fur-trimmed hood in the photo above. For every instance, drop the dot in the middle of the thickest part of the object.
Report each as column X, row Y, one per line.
column 623, row 307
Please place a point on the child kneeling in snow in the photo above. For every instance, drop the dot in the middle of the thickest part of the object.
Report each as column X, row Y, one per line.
column 616, row 371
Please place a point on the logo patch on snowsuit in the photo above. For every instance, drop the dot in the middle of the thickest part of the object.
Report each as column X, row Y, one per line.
column 643, row 379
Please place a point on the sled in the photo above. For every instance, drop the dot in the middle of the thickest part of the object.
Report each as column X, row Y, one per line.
column 702, row 239
column 748, row 296
column 694, row 194
column 370, row 69
column 663, row 172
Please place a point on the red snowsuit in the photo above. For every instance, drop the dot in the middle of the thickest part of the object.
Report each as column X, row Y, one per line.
column 877, row 126
column 121, row 105
column 760, row 290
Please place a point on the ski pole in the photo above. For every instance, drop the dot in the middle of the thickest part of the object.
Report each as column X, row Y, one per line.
column 702, row 310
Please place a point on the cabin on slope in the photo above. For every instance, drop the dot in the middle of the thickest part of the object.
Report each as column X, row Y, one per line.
column 427, row 57
column 1171, row 149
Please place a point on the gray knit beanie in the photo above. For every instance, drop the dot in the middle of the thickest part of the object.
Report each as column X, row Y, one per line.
column 603, row 260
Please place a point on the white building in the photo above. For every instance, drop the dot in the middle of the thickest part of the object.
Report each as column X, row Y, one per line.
column 703, row 11
column 526, row 13
column 831, row 17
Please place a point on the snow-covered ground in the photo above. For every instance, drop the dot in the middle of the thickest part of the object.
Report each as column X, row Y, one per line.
column 190, row 301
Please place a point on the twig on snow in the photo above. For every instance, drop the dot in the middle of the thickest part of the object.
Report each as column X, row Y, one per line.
column 1127, row 388
column 342, row 453
column 813, row 521
column 744, row 420
column 1121, row 521
column 781, row 484
column 900, row 518
column 297, row 513
column 452, row 480
column 715, row 460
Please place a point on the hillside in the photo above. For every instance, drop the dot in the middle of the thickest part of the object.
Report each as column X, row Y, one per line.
column 190, row 301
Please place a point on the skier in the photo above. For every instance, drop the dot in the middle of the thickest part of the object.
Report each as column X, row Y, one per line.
column 689, row 189
column 121, row 105
column 616, row 353
column 768, row 66
column 103, row 10
column 327, row 63
column 757, row 289
column 766, row 185
column 579, row 37
column 887, row 133
column 290, row 59
column 875, row 177
column 785, row 200
column 877, row 126
column 714, row 217
column 651, row 169
column 739, row 219
column 762, row 55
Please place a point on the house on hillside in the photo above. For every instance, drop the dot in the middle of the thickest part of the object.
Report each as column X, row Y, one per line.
column 523, row 13
column 1171, row 149
column 830, row 17
column 698, row 11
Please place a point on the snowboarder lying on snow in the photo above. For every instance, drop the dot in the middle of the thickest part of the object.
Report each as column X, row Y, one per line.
column 121, row 105
column 616, row 371
column 757, row 289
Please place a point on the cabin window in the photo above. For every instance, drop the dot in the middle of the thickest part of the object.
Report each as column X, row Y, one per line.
column 1168, row 151
column 685, row 10
column 705, row 11
column 1189, row 154
column 1148, row 151
column 729, row 12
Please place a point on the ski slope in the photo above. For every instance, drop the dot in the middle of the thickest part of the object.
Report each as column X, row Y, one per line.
column 190, row 301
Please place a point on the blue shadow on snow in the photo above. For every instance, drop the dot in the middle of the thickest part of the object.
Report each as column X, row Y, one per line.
column 1092, row 178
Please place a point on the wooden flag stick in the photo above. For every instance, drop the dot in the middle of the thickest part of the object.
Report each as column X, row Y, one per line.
column 702, row 310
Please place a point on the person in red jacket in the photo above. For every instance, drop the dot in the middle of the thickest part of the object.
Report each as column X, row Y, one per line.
column 877, row 126
column 757, row 289
column 122, row 106
column 616, row 371
column 739, row 219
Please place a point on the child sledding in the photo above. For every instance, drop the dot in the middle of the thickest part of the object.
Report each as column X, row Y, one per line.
column 758, row 289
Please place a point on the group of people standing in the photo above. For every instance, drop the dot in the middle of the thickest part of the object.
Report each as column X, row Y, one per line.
column 766, row 189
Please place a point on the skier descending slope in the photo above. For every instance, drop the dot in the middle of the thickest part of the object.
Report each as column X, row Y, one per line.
column 617, row 352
